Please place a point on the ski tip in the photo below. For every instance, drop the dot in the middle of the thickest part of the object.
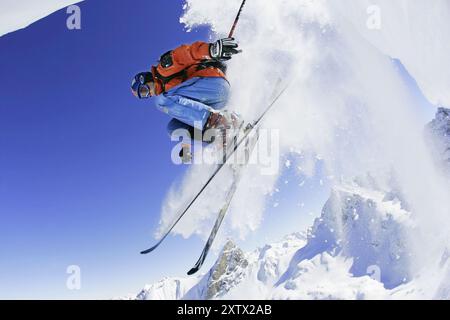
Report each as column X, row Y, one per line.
column 192, row 271
column 148, row 250
column 152, row 248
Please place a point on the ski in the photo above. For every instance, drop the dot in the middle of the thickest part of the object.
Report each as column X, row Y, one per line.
column 216, row 227
column 250, row 128
column 236, row 178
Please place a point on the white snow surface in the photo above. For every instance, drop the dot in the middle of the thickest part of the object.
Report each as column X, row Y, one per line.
column 15, row 15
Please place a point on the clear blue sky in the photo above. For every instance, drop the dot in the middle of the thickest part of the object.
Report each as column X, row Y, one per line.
column 84, row 166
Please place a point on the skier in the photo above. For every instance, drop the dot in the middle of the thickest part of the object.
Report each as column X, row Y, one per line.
column 190, row 85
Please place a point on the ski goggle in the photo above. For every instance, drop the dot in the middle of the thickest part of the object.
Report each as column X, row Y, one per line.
column 139, row 85
column 143, row 91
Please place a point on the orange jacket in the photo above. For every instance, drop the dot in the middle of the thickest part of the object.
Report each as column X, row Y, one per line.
column 183, row 63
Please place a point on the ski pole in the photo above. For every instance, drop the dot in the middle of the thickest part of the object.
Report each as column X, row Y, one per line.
column 236, row 20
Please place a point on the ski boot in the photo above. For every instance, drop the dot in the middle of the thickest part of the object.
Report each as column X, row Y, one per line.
column 227, row 126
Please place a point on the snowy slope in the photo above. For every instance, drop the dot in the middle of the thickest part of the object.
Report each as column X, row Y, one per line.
column 15, row 15
column 366, row 226
column 360, row 231
column 357, row 249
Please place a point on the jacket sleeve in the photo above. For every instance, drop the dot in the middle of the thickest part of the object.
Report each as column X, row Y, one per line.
column 183, row 57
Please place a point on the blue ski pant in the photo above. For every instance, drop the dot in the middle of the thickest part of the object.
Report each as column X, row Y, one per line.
column 188, row 103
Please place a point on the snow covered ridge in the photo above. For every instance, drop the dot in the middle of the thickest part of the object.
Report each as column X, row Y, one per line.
column 438, row 133
column 15, row 15
column 361, row 232
column 234, row 275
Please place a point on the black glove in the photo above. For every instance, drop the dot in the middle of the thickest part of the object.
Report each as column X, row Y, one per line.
column 223, row 49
